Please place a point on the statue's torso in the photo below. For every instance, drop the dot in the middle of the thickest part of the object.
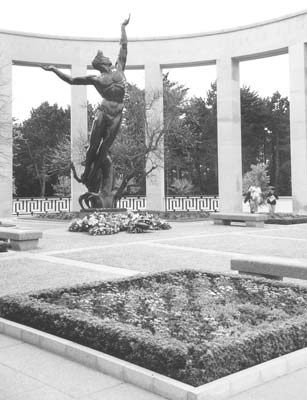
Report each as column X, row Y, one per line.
column 111, row 85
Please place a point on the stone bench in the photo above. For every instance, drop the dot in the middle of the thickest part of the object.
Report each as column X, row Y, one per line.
column 270, row 267
column 253, row 220
column 21, row 239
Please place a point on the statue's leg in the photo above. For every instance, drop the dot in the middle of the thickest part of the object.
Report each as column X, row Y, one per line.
column 111, row 129
column 83, row 198
column 107, row 175
column 94, row 201
column 95, row 141
column 115, row 125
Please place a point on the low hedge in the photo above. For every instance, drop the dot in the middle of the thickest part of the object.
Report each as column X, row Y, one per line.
column 213, row 362
column 126, row 342
column 286, row 219
column 182, row 215
column 168, row 215
column 189, row 363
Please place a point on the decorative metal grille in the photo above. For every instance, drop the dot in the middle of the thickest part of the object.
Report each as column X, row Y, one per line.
column 195, row 203
column 132, row 203
column 22, row 206
column 41, row 205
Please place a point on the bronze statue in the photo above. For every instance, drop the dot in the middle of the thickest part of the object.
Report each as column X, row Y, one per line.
column 98, row 175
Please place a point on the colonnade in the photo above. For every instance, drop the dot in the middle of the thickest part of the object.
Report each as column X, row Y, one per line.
column 225, row 48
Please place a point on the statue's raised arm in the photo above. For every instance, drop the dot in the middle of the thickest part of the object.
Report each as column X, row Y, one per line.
column 122, row 56
column 81, row 80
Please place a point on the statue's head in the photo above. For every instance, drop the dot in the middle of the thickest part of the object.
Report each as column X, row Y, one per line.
column 100, row 62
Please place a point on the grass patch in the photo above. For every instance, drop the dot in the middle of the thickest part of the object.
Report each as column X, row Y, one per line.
column 189, row 325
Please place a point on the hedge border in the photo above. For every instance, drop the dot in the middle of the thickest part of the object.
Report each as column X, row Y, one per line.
column 195, row 365
column 174, row 216
column 286, row 219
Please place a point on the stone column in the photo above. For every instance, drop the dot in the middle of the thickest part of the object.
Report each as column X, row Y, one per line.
column 79, row 131
column 229, row 136
column 154, row 117
column 298, row 126
column 6, row 142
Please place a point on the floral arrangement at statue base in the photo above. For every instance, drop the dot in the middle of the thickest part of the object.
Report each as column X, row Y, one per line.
column 99, row 223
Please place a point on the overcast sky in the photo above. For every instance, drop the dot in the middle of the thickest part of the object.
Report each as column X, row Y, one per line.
column 95, row 18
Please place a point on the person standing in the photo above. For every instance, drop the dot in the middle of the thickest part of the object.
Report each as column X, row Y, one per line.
column 271, row 201
column 253, row 196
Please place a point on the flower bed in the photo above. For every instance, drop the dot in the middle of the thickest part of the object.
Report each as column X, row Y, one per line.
column 99, row 223
column 192, row 326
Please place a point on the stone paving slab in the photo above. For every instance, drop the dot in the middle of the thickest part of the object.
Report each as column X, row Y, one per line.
column 289, row 387
column 14, row 384
column 151, row 258
column 35, row 374
column 247, row 244
column 293, row 232
column 26, row 274
column 63, row 375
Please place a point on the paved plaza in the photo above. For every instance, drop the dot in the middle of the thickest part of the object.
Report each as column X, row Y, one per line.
column 65, row 258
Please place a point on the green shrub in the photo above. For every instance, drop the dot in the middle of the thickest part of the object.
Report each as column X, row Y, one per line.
column 181, row 187
column 257, row 176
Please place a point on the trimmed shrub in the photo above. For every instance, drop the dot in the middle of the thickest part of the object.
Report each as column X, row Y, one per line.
column 168, row 215
column 286, row 219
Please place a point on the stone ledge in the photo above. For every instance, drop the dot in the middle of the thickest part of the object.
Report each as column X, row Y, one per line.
column 21, row 239
column 270, row 267
column 221, row 389
column 239, row 217
column 251, row 220
column 24, row 245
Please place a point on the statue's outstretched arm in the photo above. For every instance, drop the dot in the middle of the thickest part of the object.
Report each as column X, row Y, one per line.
column 82, row 80
column 122, row 56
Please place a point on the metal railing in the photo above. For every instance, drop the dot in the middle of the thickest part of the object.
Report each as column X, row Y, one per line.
column 132, row 203
column 191, row 203
column 39, row 205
